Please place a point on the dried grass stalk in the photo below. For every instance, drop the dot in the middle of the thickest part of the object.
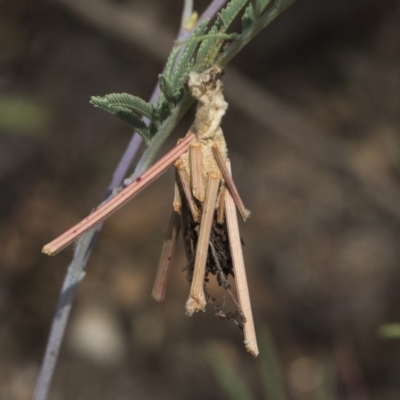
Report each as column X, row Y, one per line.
column 242, row 288
column 197, row 300
column 186, row 189
column 167, row 255
column 230, row 183
column 116, row 202
column 196, row 171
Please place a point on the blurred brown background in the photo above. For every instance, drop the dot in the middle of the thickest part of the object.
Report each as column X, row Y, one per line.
column 313, row 129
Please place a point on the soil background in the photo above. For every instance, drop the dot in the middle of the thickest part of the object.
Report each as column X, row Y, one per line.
column 318, row 165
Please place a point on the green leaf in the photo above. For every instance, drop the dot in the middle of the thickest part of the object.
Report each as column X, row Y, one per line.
column 229, row 13
column 166, row 90
column 210, row 47
column 133, row 121
column 326, row 390
column 271, row 368
column 170, row 64
column 229, row 36
column 390, row 331
column 263, row 4
column 99, row 102
column 171, row 82
column 250, row 15
column 283, row 4
column 163, row 108
column 256, row 7
column 208, row 51
column 22, row 115
column 123, row 107
column 181, row 70
column 248, row 18
column 134, row 103
column 226, row 375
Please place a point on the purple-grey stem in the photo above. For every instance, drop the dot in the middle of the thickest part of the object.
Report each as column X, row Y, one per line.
column 212, row 10
column 76, row 269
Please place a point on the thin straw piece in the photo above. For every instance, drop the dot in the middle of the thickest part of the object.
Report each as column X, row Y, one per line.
column 244, row 212
column 197, row 299
column 177, row 202
column 221, row 205
column 186, row 189
column 120, row 199
column 242, row 288
column 196, row 171
column 167, row 255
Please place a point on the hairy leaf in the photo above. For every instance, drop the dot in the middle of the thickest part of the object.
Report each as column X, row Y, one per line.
column 263, row 4
column 167, row 91
column 163, row 107
column 229, row 13
column 100, row 102
column 248, row 18
column 133, row 104
column 136, row 104
column 283, row 4
column 133, row 121
column 256, row 8
column 180, row 72
column 204, row 57
column 170, row 65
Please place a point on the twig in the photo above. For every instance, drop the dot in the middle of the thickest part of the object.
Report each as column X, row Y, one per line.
column 231, row 184
column 117, row 201
column 212, row 10
column 74, row 276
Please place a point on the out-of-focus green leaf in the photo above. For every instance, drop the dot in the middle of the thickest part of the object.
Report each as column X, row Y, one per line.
column 327, row 388
column 21, row 115
column 271, row 369
column 232, row 383
column 390, row 331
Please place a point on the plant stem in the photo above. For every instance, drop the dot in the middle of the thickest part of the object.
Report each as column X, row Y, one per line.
column 74, row 276
column 120, row 199
column 212, row 10
column 186, row 13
